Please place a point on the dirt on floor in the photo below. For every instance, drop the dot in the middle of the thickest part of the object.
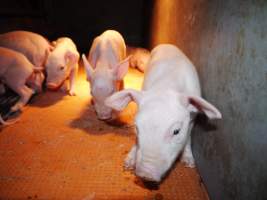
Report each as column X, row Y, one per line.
column 59, row 150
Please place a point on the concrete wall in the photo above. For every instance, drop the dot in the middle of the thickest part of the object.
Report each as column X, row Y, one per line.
column 227, row 41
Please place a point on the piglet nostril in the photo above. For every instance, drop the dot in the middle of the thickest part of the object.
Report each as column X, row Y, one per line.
column 52, row 86
column 148, row 179
column 110, row 119
column 152, row 185
column 148, row 173
column 104, row 118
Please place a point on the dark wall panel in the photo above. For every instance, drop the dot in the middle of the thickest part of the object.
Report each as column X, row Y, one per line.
column 81, row 20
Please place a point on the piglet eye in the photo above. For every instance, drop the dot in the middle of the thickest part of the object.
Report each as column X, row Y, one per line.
column 176, row 131
column 61, row 67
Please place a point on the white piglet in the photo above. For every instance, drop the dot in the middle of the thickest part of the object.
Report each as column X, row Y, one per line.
column 19, row 74
column 34, row 46
column 105, row 70
column 171, row 91
column 62, row 64
column 139, row 57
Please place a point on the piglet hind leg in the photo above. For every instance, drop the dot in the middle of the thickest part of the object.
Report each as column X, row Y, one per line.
column 73, row 75
column 72, row 92
column 129, row 162
column 25, row 94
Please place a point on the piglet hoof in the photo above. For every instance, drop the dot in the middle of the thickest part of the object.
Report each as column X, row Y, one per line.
column 188, row 162
column 72, row 93
column 129, row 163
column 16, row 107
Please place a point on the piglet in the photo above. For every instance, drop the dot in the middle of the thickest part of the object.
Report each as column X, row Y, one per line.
column 19, row 74
column 170, row 93
column 139, row 57
column 34, row 46
column 105, row 70
column 62, row 64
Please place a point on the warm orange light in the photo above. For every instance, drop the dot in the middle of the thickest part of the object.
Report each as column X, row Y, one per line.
column 163, row 29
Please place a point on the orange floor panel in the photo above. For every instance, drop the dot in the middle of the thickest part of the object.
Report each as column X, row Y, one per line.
column 59, row 150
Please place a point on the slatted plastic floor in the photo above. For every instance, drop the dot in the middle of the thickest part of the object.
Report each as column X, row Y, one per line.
column 59, row 150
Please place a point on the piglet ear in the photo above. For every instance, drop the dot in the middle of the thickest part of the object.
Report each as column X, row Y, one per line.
column 119, row 100
column 88, row 68
column 54, row 43
column 201, row 105
column 122, row 68
column 72, row 57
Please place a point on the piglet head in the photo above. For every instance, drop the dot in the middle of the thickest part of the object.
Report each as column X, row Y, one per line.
column 103, row 83
column 162, row 127
column 140, row 59
column 58, row 67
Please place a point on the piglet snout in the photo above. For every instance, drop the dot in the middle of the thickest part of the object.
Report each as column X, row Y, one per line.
column 52, row 86
column 104, row 118
column 147, row 174
column 103, row 113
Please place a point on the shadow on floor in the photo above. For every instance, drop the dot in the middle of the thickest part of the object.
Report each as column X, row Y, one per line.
column 47, row 98
column 89, row 123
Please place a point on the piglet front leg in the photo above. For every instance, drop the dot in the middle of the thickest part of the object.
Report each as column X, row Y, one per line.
column 65, row 86
column 129, row 163
column 73, row 75
column 187, row 156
